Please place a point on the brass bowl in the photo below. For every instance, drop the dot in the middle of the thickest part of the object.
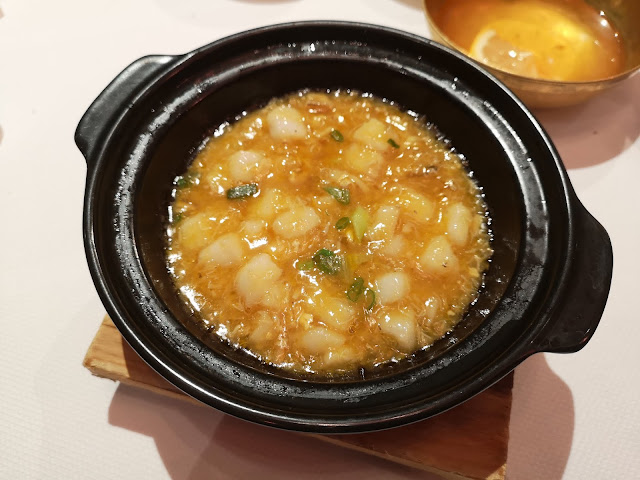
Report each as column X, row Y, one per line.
column 536, row 93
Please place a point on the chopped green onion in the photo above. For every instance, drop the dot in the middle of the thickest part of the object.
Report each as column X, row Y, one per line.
column 327, row 261
column 306, row 265
column 360, row 222
column 337, row 136
column 242, row 191
column 343, row 223
column 356, row 289
column 370, row 297
column 186, row 180
column 342, row 195
column 393, row 143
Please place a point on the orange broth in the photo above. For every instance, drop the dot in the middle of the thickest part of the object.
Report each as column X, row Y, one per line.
column 326, row 232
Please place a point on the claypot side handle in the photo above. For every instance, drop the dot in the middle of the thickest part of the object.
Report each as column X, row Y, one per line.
column 115, row 100
column 579, row 309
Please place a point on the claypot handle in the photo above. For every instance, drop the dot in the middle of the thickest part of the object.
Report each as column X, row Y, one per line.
column 578, row 313
column 115, row 100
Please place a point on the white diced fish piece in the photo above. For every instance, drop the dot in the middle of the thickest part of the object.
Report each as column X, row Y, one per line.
column 264, row 329
column 438, row 256
column 216, row 178
column 285, row 123
column 458, row 218
column 255, row 279
column 431, row 308
column 296, row 222
column 252, row 228
column 401, row 325
column 246, row 165
column 224, row 251
column 416, row 204
column 362, row 159
column 275, row 296
column 270, row 202
column 385, row 221
column 323, row 202
column 319, row 340
column 395, row 246
column 195, row 231
column 340, row 356
column 332, row 311
column 372, row 133
column 392, row 287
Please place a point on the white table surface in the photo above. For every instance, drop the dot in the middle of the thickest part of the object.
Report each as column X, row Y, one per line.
column 574, row 416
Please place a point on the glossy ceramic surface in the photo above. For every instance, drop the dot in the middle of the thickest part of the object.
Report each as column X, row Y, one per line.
column 545, row 290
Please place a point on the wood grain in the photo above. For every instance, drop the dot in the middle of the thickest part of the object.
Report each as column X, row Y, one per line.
column 467, row 442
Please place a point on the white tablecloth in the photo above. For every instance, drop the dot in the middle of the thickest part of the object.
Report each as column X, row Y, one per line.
column 574, row 416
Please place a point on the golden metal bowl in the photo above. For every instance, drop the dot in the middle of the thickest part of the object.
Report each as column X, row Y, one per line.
column 536, row 93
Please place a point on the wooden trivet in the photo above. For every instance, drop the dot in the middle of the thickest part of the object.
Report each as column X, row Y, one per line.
column 467, row 442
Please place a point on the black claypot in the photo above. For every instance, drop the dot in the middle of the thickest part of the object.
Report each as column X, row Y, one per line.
column 545, row 290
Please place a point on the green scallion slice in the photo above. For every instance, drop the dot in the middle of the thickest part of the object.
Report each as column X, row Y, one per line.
column 337, row 136
column 342, row 195
column 356, row 289
column 306, row 265
column 343, row 223
column 327, row 261
column 360, row 222
column 393, row 143
column 242, row 191
column 370, row 297
column 187, row 180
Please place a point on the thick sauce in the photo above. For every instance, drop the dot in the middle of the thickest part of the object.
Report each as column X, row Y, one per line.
column 565, row 40
column 328, row 232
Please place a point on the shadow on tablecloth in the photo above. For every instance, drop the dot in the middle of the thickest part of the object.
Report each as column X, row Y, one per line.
column 197, row 443
column 598, row 130
column 542, row 423
column 417, row 4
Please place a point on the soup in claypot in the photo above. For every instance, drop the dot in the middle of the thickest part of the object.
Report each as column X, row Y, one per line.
column 327, row 232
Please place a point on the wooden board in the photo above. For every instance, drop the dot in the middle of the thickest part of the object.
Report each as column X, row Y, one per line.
column 467, row 442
